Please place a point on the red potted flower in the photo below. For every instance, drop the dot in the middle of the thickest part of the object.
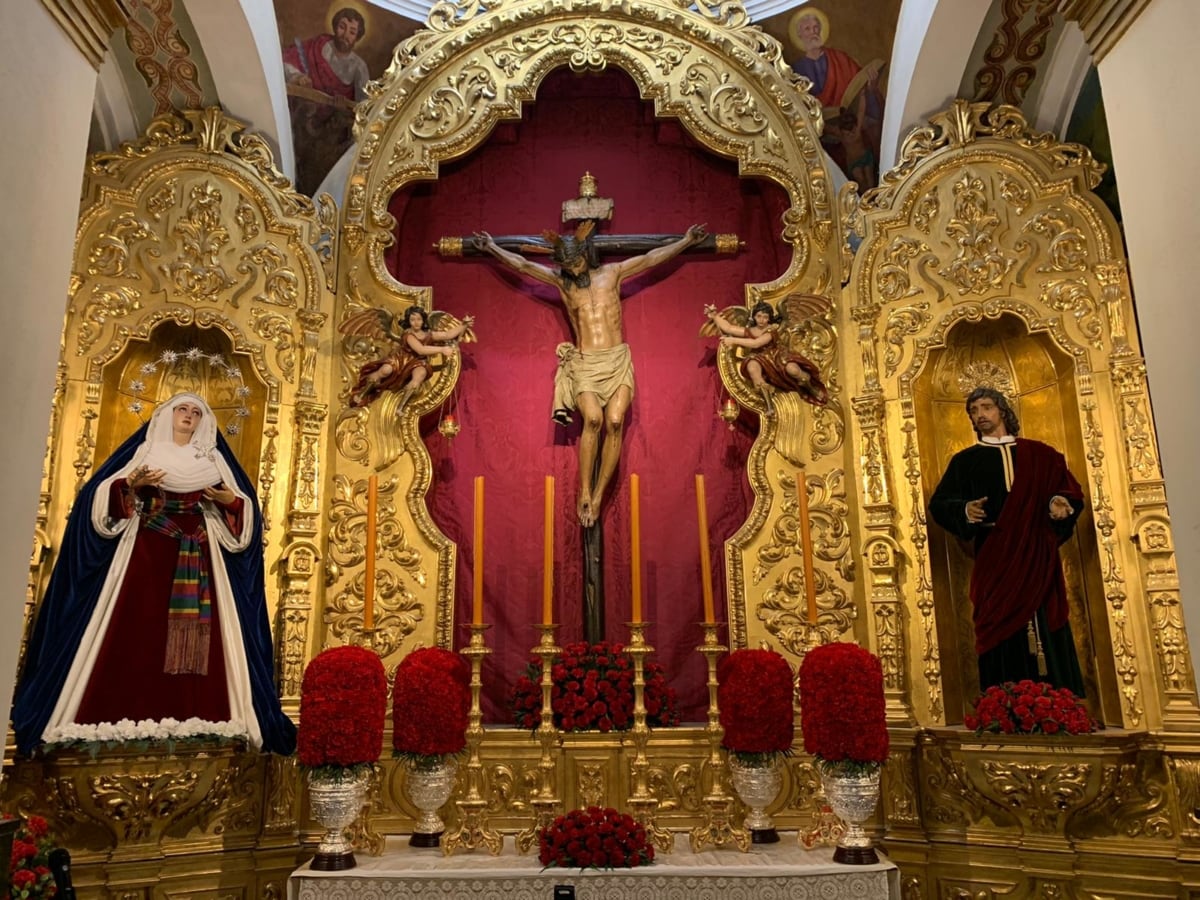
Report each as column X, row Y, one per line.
column 343, row 703
column 1029, row 707
column 755, row 696
column 28, row 876
column 842, row 716
column 431, row 699
column 594, row 838
column 593, row 690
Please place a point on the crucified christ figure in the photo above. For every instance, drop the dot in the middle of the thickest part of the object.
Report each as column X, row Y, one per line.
column 597, row 377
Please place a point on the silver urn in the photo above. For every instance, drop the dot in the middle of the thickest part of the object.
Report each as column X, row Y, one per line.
column 429, row 788
column 852, row 799
column 757, row 786
column 335, row 803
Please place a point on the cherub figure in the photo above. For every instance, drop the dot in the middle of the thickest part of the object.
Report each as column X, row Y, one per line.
column 405, row 366
column 771, row 363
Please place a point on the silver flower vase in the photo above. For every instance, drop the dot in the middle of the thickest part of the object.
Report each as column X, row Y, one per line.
column 757, row 786
column 852, row 799
column 429, row 788
column 335, row 803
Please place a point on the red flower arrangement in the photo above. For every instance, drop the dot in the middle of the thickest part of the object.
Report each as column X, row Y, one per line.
column 593, row 690
column 595, row 838
column 30, row 868
column 1029, row 707
column 343, row 701
column 754, row 692
column 430, row 702
column 842, row 709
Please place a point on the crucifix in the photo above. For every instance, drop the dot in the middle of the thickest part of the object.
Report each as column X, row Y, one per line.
column 595, row 376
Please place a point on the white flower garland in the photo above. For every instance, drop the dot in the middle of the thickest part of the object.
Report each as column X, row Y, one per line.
column 146, row 730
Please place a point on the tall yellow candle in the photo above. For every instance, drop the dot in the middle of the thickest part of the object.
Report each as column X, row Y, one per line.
column 548, row 557
column 810, row 583
column 710, row 615
column 477, row 593
column 635, row 530
column 369, row 575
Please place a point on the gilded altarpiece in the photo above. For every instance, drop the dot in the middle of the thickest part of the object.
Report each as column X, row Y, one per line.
column 985, row 260
column 725, row 81
column 197, row 267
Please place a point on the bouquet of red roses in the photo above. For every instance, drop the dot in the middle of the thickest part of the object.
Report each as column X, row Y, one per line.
column 842, row 708
column 343, row 702
column 431, row 698
column 754, row 692
column 1029, row 707
column 30, row 872
column 595, row 838
column 593, row 689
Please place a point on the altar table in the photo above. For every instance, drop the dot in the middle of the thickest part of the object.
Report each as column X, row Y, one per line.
column 783, row 871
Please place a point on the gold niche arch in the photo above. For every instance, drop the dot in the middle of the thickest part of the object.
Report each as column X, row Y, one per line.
column 189, row 239
column 725, row 80
column 986, row 244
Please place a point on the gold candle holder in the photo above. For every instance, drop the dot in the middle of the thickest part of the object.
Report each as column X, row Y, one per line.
column 546, row 804
column 642, row 802
column 473, row 829
column 717, row 829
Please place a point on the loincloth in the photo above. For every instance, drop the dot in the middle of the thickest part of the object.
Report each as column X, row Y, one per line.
column 599, row 372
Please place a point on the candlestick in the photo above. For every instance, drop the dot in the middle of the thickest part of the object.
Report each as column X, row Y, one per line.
column 710, row 614
column 548, row 556
column 642, row 800
column 545, row 802
column 477, row 592
column 806, row 550
column 635, row 529
column 369, row 574
column 719, row 805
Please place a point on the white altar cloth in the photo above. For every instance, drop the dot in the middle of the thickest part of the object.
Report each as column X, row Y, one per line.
column 767, row 872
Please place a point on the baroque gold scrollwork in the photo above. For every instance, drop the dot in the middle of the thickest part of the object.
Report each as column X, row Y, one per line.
column 451, row 107
column 140, row 803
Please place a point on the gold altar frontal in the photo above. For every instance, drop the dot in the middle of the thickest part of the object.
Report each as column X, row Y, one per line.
column 783, row 870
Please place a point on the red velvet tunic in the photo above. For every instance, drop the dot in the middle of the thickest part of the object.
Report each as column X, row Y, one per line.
column 128, row 681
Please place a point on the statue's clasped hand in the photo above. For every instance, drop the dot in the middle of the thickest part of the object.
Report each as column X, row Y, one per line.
column 219, row 494
column 142, row 476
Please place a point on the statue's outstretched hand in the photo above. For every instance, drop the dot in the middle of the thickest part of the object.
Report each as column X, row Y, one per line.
column 710, row 310
column 484, row 241
column 697, row 233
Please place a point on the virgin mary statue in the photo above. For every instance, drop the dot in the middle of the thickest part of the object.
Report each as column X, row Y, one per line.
column 154, row 623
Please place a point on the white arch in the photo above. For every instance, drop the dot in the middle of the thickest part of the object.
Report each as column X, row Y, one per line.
column 934, row 40
column 241, row 44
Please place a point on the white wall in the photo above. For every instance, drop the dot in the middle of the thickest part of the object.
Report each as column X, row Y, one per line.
column 42, row 148
column 1156, row 148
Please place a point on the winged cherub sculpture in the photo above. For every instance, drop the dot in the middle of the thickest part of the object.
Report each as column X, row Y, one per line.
column 772, row 344
column 410, row 342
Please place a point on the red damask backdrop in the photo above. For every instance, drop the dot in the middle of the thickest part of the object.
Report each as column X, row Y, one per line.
column 662, row 181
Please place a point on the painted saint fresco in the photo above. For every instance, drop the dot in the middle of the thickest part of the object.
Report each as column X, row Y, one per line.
column 848, row 78
column 330, row 51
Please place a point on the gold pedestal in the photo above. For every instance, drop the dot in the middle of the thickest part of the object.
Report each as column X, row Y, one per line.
column 473, row 829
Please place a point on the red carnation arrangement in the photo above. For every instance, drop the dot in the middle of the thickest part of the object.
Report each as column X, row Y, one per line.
column 754, row 693
column 593, row 690
column 30, row 868
column 595, row 838
column 842, row 708
column 343, row 702
column 430, row 702
column 1029, row 707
